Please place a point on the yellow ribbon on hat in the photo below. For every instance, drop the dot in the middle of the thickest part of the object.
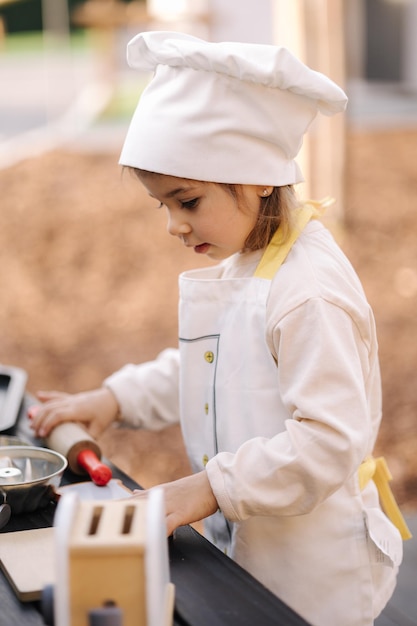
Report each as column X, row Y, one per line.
column 278, row 248
column 377, row 470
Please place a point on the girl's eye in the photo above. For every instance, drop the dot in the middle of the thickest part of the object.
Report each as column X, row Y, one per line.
column 190, row 204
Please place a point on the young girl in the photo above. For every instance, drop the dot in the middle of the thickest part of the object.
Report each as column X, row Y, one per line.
column 276, row 380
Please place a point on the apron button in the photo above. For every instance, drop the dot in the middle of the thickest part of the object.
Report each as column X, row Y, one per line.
column 206, row 408
column 205, row 460
column 209, row 356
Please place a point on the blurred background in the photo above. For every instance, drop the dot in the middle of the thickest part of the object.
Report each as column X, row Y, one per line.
column 88, row 273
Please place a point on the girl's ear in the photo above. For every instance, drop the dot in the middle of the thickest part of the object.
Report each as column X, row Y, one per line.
column 264, row 192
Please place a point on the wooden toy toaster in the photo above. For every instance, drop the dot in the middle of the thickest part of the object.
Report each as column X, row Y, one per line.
column 112, row 563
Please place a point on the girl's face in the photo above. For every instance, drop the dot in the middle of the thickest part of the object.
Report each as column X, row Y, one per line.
column 205, row 216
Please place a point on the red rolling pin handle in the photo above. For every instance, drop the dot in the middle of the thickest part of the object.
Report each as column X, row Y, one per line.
column 75, row 444
column 99, row 473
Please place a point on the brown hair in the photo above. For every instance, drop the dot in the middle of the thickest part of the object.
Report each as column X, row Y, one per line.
column 275, row 211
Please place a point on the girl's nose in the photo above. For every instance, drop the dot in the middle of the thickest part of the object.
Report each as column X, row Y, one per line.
column 177, row 225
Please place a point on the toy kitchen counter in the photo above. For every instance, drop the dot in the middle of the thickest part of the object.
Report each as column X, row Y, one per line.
column 210, row 589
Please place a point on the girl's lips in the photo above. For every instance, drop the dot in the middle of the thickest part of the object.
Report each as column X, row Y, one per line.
column 202, row 248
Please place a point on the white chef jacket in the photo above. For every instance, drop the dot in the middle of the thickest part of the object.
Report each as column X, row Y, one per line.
column 277, row 386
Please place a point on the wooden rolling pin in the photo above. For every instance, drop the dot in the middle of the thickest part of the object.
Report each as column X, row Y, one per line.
column 81, row 450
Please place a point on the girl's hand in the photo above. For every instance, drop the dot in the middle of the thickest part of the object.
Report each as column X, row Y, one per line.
column 96, row 409
column 187, row 500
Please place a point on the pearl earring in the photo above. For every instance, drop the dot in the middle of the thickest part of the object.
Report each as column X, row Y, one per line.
column 265, row 192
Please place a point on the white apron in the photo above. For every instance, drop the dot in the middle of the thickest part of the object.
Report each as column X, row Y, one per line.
column 318, row 563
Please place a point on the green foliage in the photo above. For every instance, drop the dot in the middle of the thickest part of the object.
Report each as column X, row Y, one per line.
column 26, row 15
column 22, row 15
column 32, row 41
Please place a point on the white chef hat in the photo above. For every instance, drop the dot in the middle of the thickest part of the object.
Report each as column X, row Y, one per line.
column 223, row 112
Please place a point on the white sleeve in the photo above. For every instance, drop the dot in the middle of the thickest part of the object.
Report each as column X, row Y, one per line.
column 148, row 394
column 328, row 375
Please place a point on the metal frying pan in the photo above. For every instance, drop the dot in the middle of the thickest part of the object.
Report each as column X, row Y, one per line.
column 28, row 478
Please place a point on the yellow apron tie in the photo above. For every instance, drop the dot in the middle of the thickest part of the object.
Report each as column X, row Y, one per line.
column 278, row 248
column 377, row 470
column 272, row 259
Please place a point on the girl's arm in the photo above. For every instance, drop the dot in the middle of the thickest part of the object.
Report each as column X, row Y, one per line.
column 328, row 376
column 148, row 393
column 144, row 396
